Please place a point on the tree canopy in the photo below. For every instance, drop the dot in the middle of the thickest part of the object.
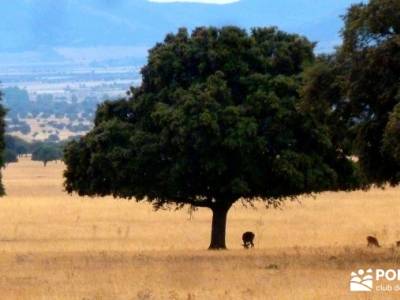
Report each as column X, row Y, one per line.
column 17, row 145
column 218, row 118
column 391, row 137
column 47, row 152
column 9, row 156
column 358, row 89
column 370, row 54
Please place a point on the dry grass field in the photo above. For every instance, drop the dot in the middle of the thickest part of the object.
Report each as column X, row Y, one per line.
column 56, row 246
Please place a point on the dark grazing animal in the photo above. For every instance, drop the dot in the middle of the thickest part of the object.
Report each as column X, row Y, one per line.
column 372, row 242
column 248, row 239
column 398, row 244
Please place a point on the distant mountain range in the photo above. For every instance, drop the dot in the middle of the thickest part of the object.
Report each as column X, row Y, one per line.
column 99, row 30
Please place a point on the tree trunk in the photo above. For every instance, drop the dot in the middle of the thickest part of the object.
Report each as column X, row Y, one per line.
column 218, row 229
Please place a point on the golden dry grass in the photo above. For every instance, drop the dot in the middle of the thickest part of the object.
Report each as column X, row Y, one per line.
column 56, row 246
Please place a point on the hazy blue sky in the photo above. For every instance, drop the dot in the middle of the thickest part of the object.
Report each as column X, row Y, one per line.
column 107, row 29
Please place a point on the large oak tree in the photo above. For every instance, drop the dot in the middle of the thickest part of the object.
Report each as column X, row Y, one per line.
column 217, row 119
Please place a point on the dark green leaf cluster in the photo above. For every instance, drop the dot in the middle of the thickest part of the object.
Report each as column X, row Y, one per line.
column 9, row 156
column 370, row 60
column 391, row 137
column 218, row 117
column 357, row 90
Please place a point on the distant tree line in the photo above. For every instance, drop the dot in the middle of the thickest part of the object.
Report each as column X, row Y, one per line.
column 44, row 151
column 19, row 105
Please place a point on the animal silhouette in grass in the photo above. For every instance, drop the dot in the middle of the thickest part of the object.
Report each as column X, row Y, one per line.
column 372, row 242
column 248, row 239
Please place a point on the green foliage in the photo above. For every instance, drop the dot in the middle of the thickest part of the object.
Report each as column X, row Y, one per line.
column 47, row 152
column 391, row 138
column 16, row 145
column 9, row 156
column 322, row 95
column 21, row 146
column 41, row 151
column 356, row 91
column 216, row 119
column 371, row 65
column 20, row 106
column 372, row 24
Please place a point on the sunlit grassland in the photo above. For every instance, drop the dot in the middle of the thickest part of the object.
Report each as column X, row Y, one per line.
column 57, row 246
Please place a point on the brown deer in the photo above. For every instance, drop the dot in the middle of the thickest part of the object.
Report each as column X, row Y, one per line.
column 248, row 238
column 372, row 242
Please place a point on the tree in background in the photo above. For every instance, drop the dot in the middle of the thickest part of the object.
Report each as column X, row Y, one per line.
column 17, row 145
column 47, row 152
column 391, row 137
column 2, row 144
column 9, row 156
column 371, row 58
column 40, row 150
column 322, row 95
column 358, row 89
column 218, row 119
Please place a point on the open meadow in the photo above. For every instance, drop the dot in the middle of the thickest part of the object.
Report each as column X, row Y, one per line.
column 57, row 246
